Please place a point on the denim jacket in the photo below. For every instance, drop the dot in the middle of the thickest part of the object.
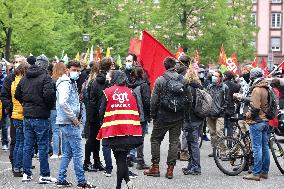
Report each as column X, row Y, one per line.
column 67, row 100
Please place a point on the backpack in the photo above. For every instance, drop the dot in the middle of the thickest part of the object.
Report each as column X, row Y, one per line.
column 173, row 98
column 273, row 104
column 203, row 103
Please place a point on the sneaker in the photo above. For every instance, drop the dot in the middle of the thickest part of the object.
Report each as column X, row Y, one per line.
column 107, row 173
column 26, row 178
column 5, row 147
column 54, row 156
column 190, row 172
column 252, row 177
column 99, row 166
column 47, row 180
column 85, row 185
column 210, row 155
column 17, row 174
column 63, row 184
column 263, row 175
column 89, row 167
column 130, row 185
column 142, row 166
column 132, row 175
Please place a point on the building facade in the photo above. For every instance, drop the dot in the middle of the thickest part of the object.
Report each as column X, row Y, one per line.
column 268, row 16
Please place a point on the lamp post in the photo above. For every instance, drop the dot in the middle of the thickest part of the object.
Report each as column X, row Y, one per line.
column 270, row 60
column 86, row 39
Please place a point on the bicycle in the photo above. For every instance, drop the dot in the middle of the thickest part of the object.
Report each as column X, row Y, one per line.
column 232, row 154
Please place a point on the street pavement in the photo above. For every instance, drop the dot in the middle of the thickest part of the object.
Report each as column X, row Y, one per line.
column 211, row 177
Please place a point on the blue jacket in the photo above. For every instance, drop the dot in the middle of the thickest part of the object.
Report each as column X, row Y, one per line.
column 67, row 100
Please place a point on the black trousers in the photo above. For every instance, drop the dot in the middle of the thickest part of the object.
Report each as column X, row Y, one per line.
column 122, row 168
column 92, row 145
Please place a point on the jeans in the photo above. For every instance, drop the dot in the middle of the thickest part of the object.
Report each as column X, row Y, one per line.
column 192, row 137
column 72, row 148
column 259, row 139
column 4, row 125
column 55, row 133
column 36, row 129
column 158, row 134
column 140, row 149
column 12, row 142
column 107, row 158
column 18, row 150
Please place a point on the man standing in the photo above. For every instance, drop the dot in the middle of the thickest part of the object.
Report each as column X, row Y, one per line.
column 166, row 119
column 259, row 128
column 220, row 94
column 37, row 94
column 68, row 110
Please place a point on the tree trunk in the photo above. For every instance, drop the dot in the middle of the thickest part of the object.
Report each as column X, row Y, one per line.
column 8, row 44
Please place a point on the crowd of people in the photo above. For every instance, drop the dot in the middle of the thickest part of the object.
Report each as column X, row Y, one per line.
column 47, row 104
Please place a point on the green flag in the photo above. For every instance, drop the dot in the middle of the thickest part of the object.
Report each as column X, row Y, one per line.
column 118, row 61
column 223, row 68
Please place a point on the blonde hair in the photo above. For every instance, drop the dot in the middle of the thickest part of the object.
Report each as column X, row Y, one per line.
column 94, row 71
column 59, row 69
column 191, row 75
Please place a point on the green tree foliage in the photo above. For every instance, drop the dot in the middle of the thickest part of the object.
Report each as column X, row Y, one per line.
column 50, row 26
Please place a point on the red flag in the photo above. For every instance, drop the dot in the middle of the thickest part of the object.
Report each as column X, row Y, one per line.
column 264, row 67
column 196, row 60
column 98, row 55
column 232, row 64
column 179, row 52
column 254, row 63
column 134, row 46
column 152, row 56
column 222, row 56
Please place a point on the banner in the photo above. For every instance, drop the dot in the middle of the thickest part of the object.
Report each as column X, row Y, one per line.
column 232, row 64
column 222, row 56
column 264, row 67
column 196, row 61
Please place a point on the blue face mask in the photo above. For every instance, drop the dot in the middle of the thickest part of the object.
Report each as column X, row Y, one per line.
column 74, row 75
column 214, row 79
column 128, row 65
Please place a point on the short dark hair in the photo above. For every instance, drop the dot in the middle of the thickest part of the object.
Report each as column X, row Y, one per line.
column 229, row 75
column 169, row 63
column 185, row 60
column 138, row 73
column 73, row 63
column 106, row 63
column 133, row 56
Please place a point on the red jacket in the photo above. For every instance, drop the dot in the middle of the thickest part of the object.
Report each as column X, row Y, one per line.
column 121, row 117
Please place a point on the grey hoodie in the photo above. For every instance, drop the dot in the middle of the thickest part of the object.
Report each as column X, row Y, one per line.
column 67, row 100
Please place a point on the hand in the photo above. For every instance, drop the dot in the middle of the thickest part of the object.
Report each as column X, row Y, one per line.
column 76, row 122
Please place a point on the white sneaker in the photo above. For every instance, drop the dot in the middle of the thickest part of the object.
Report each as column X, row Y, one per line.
column 54, row 156
column 26, row 178
column 130, row 185
column 107, row 174
column 5, row 147
column 47, row 180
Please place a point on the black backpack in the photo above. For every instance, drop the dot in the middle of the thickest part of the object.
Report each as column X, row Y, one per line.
column 273, row 104
column 173, row 97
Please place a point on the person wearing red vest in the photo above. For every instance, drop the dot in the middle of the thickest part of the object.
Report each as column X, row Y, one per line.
column 120, row 129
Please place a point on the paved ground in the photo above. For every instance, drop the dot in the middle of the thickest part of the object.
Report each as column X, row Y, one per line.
column 211, row 176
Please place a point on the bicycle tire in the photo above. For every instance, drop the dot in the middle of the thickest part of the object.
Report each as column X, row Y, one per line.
column 275, row 156
column 218, row 159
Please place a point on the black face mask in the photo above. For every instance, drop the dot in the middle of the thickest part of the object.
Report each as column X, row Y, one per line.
column 246, row 77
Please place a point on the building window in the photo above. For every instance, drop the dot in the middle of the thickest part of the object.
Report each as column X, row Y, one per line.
column 254, row 1
column 253, row 20
column 276, row 20
column 276, row 1
column 275, row 43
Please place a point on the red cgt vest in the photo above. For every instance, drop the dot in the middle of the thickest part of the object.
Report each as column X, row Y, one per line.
column 121, row 116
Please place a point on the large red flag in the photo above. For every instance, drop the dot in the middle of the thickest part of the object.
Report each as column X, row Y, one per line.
column 152, row 56
column 196, row 61
column 134, row 46
column 264, row 67
column 222, row 56
column 232, row 64
column 254, row 63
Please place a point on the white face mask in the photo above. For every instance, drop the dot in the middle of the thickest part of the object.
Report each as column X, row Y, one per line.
column 16, row 65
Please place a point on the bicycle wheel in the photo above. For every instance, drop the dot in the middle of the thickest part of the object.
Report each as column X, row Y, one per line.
column 277, row 153
column 230, row 156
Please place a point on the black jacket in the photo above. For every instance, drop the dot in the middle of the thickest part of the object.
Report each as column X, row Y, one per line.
column 36, row 92
column 220, row 95
column 82, row 78
column 233, row 88
column 145, row 95
column 95, row 97
column 157, row 112
column 6, row 97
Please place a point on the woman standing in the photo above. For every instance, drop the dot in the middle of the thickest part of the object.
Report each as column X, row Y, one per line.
column 120, row 127
column 17, row 116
